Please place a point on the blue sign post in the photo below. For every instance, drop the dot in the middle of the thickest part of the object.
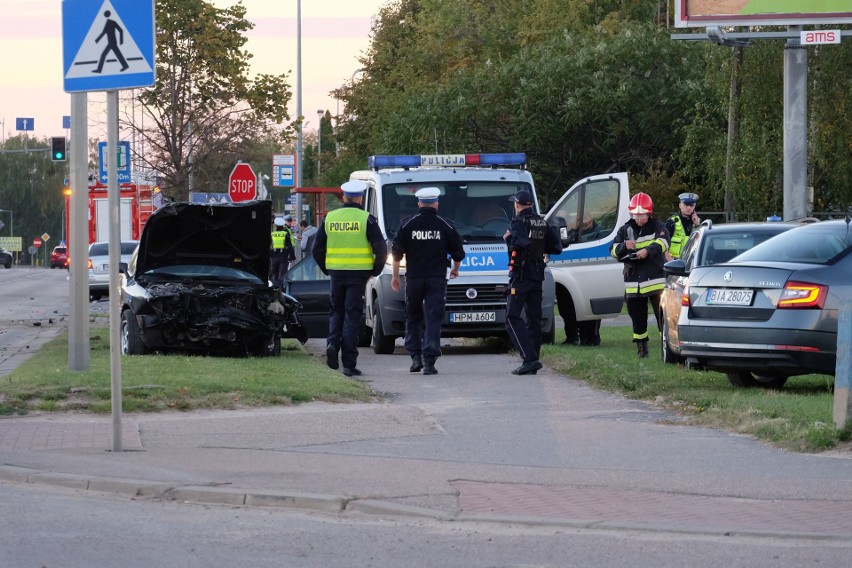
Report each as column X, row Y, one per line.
column 122, row 164
column 107, row 45
column 24, row 124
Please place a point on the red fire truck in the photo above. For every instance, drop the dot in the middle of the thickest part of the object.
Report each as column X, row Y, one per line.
column 136, row 203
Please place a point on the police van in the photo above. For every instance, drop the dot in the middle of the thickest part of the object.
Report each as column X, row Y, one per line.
column 476, row 191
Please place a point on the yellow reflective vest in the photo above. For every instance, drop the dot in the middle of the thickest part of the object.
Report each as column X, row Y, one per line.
column 348, row 247
column 678, row 237
column 279, row 239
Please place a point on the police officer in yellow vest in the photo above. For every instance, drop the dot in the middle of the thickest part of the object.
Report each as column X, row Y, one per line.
column 680, row 224
column 349, row 248
column 282, row 252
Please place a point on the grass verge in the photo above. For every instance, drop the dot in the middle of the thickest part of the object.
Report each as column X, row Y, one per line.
column 797, row 417
column 165, row 382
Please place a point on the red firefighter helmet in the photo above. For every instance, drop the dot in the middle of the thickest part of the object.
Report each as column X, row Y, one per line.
column 641, row 203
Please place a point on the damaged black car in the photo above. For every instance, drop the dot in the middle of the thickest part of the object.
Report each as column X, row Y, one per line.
column 199, row 282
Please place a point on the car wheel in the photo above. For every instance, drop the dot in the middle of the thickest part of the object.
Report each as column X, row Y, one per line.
column 669, row 356
column 549, row 338
column 747, row 379
column 365, row 338
column 8, row 264
column 131, row 342
column 382, row 344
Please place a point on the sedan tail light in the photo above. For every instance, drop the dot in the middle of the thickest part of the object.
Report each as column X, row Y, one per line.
column 684, row 297
column 90, row 264
column 802, row 295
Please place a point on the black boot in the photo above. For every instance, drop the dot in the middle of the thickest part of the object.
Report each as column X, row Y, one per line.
column 429, row 368
column 416, row 364
column 642, row 349
column 530, row 368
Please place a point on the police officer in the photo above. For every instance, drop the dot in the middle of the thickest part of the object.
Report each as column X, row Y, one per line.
column 529, row 238
column 641, row 244
column 425, row 239
column 349, row 248
column 282, row 252
column 680, row 224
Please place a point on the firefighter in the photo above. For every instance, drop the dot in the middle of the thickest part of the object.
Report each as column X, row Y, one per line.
column 425, row 239
column 641, row 244
column 349, row 248
column 529, row 238
column 680, row 224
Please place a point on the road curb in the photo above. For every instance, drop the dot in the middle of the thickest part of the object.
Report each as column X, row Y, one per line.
column 229, row 496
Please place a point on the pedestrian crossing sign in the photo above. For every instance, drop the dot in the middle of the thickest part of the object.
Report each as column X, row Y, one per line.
column 107, row 44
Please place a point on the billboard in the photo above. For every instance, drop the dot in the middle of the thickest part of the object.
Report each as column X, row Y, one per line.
column 700, row 13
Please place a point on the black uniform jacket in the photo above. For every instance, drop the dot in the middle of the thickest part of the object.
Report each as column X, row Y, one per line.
column 426, row 239
column 532, row 237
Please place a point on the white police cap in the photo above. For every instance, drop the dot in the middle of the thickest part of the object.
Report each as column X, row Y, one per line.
column 688, row 198
column 428, row 194
column 354, row 188
column 279, row 221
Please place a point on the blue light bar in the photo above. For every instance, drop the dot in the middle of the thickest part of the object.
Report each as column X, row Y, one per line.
column 447, row 160
column 376, row 162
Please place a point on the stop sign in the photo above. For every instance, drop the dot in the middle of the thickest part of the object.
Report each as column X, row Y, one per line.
column 36, row 242
column 242, row 183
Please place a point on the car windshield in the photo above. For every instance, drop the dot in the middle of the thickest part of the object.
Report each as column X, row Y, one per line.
column 204, row 272
column 480, row 210
column 820, row 243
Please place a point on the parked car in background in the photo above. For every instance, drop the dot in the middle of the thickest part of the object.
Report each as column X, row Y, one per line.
column 307, row 284
column 6, row 258
column 198, row 282
column 59, row 257
column 99, row 266
column 772, row 312
column 708, row 245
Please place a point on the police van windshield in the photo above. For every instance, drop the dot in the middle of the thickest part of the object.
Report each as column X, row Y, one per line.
column 481, row 210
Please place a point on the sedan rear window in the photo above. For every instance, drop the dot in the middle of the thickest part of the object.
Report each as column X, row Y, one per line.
column 812, row 244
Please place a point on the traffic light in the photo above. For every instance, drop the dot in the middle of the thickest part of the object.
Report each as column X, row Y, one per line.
column 57, row 149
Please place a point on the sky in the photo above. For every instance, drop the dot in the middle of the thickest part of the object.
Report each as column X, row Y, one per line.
column 334, row 34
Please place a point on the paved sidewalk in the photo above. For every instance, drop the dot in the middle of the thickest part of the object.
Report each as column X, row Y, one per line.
column 471, row 443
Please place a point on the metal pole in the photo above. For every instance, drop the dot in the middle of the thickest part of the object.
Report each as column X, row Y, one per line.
column 78, row 235
column 795, row 128
column 319, row 144
column 298, row 213
column 114, row 201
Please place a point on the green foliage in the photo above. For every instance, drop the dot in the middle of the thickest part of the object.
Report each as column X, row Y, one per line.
column 31, row 187
column 585, row 86
column 204, row 102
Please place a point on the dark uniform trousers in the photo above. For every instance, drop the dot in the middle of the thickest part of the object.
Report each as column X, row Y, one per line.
column 526, row 336
column 279, row 267
column 347, row 307
column 424, row 314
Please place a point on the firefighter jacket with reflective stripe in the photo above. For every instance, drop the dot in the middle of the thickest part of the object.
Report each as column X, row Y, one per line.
column 643, row 277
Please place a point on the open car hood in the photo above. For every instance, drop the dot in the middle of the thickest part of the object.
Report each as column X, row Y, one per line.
column 235, row 235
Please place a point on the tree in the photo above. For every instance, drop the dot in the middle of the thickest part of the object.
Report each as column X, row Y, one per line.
column 205, row 113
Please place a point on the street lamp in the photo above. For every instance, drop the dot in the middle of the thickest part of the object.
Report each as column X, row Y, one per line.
column 320, row 113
